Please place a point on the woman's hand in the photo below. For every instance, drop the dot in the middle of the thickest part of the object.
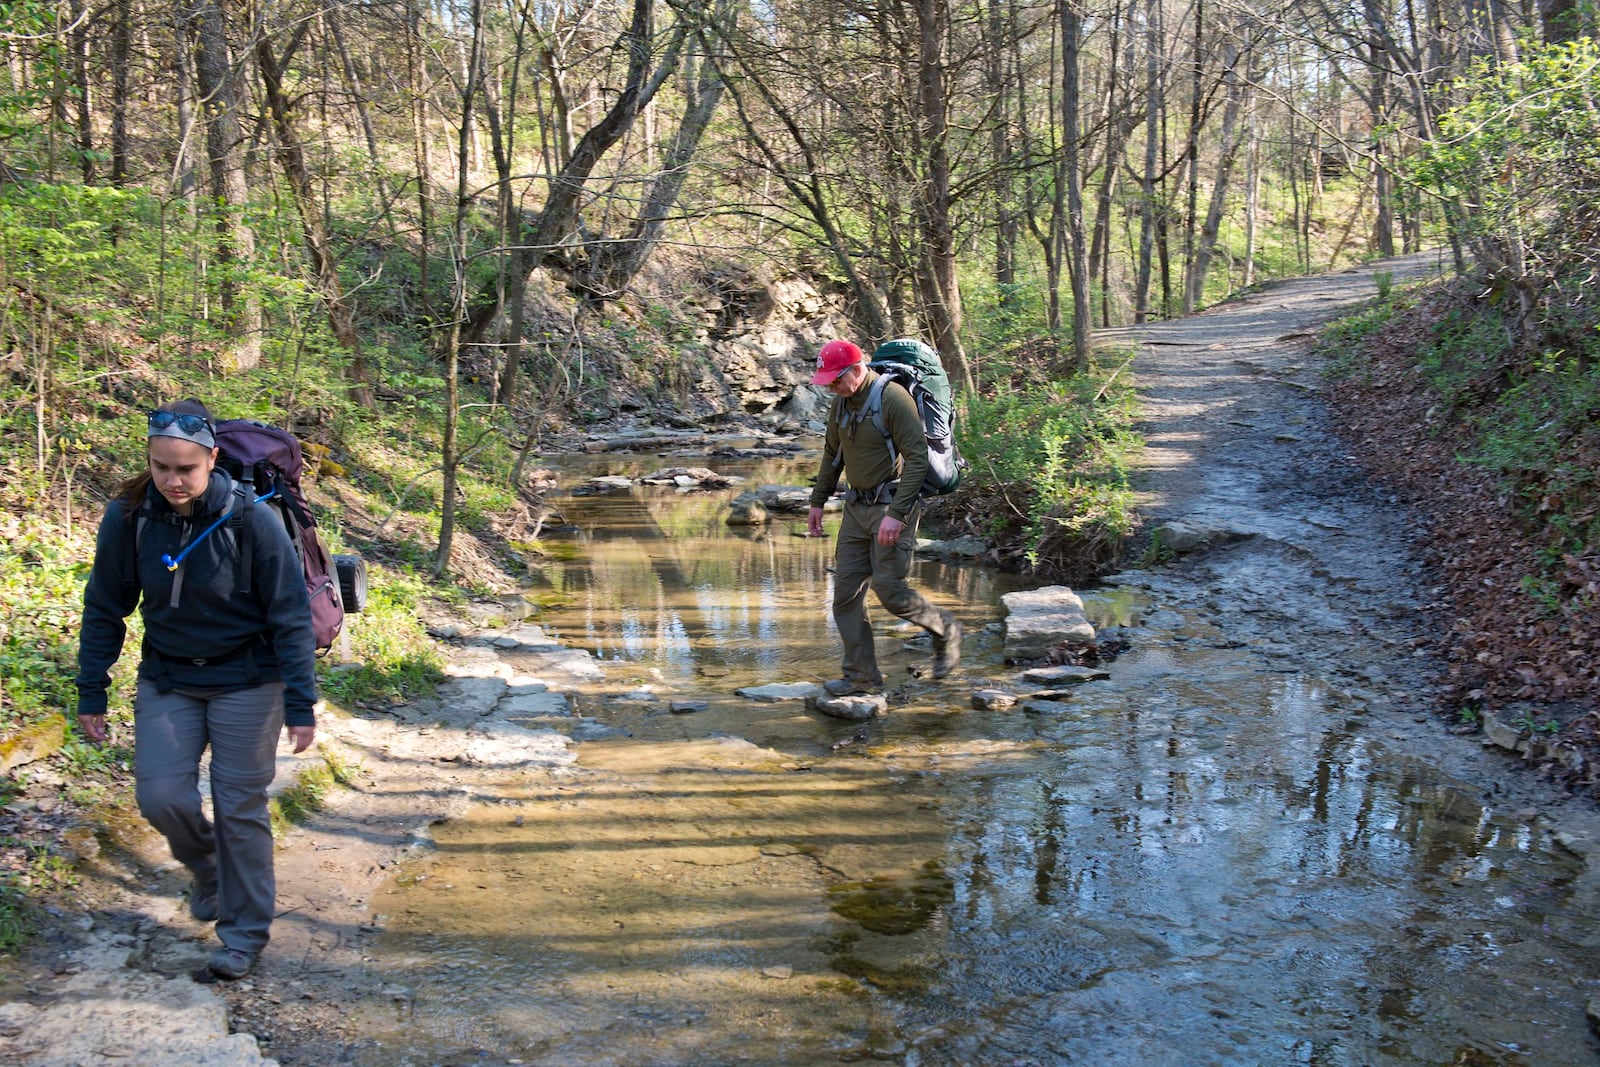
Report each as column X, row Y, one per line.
column 93, row 727
column 302, row 736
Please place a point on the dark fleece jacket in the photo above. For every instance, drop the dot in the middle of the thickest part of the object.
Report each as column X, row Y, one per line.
column 261, row 636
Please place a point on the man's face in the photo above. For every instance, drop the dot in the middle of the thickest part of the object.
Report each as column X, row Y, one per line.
column 849, row 380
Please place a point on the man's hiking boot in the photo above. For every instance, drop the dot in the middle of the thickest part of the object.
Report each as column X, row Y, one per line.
column 231, row 963
column 203, row 901
column 947, row 649
column 844, row 687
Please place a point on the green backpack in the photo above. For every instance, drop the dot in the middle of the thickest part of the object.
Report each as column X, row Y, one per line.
column 917, row 367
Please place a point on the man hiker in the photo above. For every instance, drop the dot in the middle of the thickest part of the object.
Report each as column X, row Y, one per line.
column 881, row 511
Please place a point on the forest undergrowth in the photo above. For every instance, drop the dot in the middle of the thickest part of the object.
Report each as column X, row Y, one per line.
column 1499, row 450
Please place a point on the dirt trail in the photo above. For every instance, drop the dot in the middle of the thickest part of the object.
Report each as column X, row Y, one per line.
column 1294, row 544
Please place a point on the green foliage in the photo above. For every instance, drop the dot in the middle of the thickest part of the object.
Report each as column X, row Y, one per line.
column 1518, row 160
column 394, row 658
column 1056, row 455
column 17, row 915
column 41, row 586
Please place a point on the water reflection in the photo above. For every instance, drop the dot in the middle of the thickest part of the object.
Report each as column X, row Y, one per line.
column 1206, row 859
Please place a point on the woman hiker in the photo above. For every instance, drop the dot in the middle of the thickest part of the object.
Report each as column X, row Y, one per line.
column 218, row 667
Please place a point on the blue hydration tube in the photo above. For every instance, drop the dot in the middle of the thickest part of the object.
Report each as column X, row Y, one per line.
column 173, row 561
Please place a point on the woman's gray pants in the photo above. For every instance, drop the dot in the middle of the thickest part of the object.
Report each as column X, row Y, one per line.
column 171, row 730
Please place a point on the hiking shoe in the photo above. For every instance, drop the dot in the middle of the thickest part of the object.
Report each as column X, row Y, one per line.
column 947, row 649
column 844, row 687
column 231, row 963
column 203, row 901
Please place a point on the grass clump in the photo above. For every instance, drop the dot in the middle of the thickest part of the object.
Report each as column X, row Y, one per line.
column 394, row 659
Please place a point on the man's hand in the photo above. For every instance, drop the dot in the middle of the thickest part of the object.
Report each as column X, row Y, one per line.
column 93, row 726
column 301, row 736
column 814, row 522
column 889, row 530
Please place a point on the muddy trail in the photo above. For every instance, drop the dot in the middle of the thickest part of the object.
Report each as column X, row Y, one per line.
column 1250, row 843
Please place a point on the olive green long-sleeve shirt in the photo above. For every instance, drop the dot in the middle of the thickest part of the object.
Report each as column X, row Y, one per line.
column 867, row 460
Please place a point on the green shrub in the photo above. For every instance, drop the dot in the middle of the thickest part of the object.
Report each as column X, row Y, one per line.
column 1055, row 457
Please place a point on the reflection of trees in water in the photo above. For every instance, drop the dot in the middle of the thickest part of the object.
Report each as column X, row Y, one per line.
column 665, row 581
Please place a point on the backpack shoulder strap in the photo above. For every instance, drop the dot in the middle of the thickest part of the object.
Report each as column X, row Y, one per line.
column 873, row 409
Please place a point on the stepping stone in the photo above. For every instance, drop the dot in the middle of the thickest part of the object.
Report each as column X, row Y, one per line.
column 992, row 699
column 1065, row 673
column 687, row 707
column 776, row 691
column 1037, row 620
column 857, row 708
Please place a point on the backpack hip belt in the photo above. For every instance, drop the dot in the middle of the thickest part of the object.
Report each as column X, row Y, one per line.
column 881, row 493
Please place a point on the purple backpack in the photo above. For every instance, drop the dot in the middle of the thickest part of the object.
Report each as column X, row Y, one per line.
column 268, row 463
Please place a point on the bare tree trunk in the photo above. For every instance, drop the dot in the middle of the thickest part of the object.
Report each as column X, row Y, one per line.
column 614, row 264
column 450, row 458
column 79, row 40
column 341, row 316
column 1077, row 260
column 941, row 299
column 417, row 73
column 241, row 308
column 1147, row 179
column 358, row 97
column 1227, row 150
column 559, row 218
column 121, row 46
column 183, row 176
column 1252, row 190
column 1000, row 144
column 1192, row 151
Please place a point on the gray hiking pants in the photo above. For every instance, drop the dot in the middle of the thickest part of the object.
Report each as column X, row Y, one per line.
column 170, row 732
column 859, row 562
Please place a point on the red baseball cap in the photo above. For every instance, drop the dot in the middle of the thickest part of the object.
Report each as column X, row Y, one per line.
column 835, row 358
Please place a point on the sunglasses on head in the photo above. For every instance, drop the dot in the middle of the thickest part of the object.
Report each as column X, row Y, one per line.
column 189, row 424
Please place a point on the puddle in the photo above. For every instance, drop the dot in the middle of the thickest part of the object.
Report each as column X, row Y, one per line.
column 1206, row 859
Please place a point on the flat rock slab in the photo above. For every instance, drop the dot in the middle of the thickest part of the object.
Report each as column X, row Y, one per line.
column 1038, row 620
column 111, row 1016
column 857, row 708
column 504, row 744
column 993, row 699
column 1183, row 538
column 574, row 663
column 529, row 637
column 776, row 691
column 532, row 699
column 955, row 548
column 1064, row 673
column 687, row 707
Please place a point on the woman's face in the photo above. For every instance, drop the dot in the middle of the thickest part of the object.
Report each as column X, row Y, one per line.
column 181, row 470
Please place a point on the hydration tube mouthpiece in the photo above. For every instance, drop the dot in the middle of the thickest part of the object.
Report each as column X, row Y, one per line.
column 172, row 562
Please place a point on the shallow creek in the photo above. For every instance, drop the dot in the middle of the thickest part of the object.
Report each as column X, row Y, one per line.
column 1217, row 856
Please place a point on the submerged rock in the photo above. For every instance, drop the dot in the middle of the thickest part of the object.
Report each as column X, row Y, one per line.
column 747, row 512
